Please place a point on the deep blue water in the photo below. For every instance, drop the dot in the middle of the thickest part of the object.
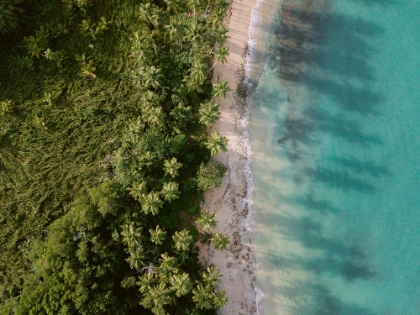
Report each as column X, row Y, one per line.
column 335, row 135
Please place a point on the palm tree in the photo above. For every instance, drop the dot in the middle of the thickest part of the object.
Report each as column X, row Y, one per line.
column 143, row 159
column 181, row 284
column 7, row 106
column 181, row 114
column 151, row 203
column 154, row 116
column 220, row 241
column 221, row 55
column 132, row 235
column 216, row 143
column 34, row 46
column 206, row 221
column 220, row 89
column 197, row 71
column 146, row 76
column 86, row 66
column 59, row 56
column 209, row 113
column 193, row 5
column 202, row 296
column 48, row 54
column 182, row 240
column 160, row 294
column 168, row 263
column 171, row 167
column 172, row 6
column 172, row 31
column 220, row 34
column 221, row 6
column 144, row 12
column 149, row 13
column 193, row 34
column 159, row 310
column 168, row 267
column 219, row 298
column 170, row 191
column 219, row 9
column 134, row 131
column 87, row 69
column 142, row 50
column 9, row 13
column 156, row 297
column 217, row 20
column 147, row 301
column 145, row 282
column 211, row 276
column 137, row 190
column 198, row 75
column 153, row 76
column 157, row 235
column 137, row 257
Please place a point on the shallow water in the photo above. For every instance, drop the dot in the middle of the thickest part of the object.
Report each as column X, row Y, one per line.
column 335, row 140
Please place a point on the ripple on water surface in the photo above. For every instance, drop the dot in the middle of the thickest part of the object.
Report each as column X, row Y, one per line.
column 335, row 139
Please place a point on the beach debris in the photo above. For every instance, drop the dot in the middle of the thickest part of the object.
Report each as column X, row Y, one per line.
column 235, row 247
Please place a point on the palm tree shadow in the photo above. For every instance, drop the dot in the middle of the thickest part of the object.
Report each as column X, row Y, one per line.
column 330, row 305
column 355, row 165
column 385, row 3
column 328, row 55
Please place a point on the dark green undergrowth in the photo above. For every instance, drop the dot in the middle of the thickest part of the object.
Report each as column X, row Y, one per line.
column 100, row 142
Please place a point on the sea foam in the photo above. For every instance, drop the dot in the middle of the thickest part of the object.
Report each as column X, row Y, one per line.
column 247, row 224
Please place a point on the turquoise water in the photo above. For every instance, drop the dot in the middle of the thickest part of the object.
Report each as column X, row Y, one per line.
column 335, row 136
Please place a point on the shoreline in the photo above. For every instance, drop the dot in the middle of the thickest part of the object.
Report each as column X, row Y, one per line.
column 232, row 200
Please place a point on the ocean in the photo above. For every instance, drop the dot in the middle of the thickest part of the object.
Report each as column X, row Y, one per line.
column 335, row 137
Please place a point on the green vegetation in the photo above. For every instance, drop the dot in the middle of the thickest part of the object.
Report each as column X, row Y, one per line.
column 220, row 241
column 206, row 221
column 9, row 15
column 105, row 108
column 210, row 175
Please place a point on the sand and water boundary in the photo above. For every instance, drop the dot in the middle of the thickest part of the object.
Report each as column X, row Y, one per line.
column 232, row 202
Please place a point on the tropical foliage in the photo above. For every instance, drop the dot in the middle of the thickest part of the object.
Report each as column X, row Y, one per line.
column 157, row 235
column 103, row 149
column 182, row 240
column 10, row 12
column 210, row 175
column 216, row 143
column 220, row 89
column 220, row 241
column 209, row 113
column 206, row 221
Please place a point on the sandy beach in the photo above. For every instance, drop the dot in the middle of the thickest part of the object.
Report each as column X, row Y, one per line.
column 229, row 202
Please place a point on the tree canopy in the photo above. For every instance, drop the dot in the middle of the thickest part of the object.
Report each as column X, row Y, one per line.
column 102, row 139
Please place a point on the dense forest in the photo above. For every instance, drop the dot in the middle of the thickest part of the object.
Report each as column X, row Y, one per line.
column 105, row 151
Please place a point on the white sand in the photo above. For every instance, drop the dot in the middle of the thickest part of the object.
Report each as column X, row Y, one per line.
column 228, row 200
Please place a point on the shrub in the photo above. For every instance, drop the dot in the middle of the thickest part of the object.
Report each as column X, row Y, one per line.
column 209, row 176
